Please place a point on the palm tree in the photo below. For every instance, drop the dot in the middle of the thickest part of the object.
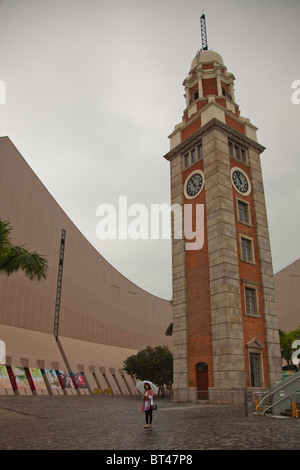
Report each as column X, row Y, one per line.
column 13, row 257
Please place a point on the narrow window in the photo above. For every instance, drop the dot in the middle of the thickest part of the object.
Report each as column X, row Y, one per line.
column 243, row 212
column 243, row 155
column 193, row 155
column 246, row 249
column 237, row 152
column 186, row 160
column 255, row 370
column 251, row 303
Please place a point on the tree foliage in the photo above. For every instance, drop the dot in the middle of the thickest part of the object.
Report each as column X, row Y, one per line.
column 154, row 364
column 286, row 341
column 14, row 258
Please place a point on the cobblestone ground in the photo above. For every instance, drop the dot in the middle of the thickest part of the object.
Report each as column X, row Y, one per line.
column 111, row 422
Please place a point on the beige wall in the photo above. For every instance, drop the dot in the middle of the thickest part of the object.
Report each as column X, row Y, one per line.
column 98, row 304
column 27, row 348
column 287, row 288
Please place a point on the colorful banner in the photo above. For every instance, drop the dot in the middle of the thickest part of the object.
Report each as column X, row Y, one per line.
column 64, row 379
column 78, row 380
column 4, row 378
column 51, row 378
column 21, row 378
column 37, row 381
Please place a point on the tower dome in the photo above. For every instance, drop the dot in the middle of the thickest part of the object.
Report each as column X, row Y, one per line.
column 208, row 77
column 206, row 57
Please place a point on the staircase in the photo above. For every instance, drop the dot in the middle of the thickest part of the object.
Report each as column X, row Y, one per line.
column 281, row 398
column 294, row 410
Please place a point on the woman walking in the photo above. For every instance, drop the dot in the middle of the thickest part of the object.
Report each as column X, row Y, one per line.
column 147, row 402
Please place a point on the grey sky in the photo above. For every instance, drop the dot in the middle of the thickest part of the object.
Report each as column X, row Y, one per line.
column 94, row 88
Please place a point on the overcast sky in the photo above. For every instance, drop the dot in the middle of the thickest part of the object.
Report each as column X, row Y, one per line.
column 94, row 88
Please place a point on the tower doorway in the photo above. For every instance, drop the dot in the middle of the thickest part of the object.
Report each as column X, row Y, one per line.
column 202, row 381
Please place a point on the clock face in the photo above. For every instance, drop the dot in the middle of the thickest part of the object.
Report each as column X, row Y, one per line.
column 194, row 184
column 240, row 181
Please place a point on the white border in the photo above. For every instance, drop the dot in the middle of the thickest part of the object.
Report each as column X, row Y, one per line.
column 187, row 180
column 237, row 168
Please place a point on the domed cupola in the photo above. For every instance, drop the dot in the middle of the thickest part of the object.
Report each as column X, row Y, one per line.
column 208, row 76
column 209, row 95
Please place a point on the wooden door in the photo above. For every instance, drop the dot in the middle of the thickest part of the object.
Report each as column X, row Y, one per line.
column 202, row 381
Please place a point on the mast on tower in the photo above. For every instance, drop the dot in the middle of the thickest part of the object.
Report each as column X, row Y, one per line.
column 203, row 32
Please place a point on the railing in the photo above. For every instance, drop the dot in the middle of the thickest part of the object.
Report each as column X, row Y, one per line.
column 295, row 405
column 266, row 402
column 262, row 400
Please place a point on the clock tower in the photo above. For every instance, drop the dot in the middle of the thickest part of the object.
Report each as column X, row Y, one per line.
column 225, row 330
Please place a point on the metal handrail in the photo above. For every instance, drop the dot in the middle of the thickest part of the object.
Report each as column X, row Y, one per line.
column 295, row 394
column 273, row 404
column 295, row 404
column 274, row 391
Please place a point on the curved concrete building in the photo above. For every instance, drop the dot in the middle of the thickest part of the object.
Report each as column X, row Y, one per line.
column 287, row 285
column 86, row 318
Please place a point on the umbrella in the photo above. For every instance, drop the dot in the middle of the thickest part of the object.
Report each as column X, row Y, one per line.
column 140, row 386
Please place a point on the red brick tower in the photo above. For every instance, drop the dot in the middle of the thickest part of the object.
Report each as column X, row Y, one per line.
column 225, row 327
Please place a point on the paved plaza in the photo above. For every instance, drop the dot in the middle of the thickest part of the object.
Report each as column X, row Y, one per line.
column 116, row 423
